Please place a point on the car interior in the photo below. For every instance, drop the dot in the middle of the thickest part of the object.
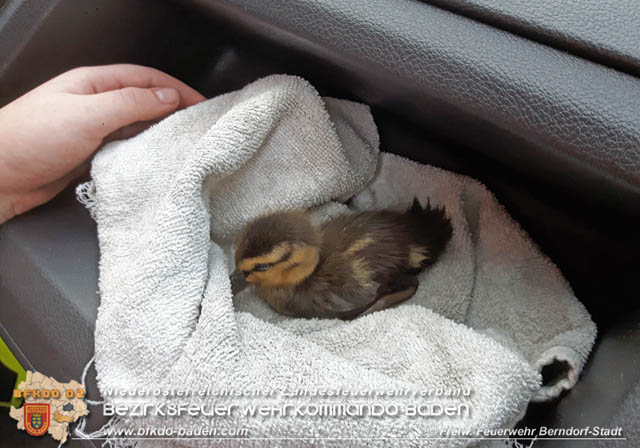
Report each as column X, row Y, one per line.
column 539, row 102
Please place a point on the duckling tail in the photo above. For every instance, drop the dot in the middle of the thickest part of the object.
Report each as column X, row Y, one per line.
column 432, row 229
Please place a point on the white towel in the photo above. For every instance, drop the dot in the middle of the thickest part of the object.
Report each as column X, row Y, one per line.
column 168, row 203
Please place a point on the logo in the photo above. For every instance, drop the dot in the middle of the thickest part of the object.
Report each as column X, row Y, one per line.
column 49, row 405
column 36, row 418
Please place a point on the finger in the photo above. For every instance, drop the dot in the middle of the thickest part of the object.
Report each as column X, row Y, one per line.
column 116, row 109
column 87, row 80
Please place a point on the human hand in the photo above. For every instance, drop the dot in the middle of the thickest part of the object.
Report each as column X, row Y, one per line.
column 49, row 135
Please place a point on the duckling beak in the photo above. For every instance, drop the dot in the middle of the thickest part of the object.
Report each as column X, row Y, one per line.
column 238, row 282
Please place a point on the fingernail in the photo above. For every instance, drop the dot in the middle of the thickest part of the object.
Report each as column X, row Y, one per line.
column 167, row 95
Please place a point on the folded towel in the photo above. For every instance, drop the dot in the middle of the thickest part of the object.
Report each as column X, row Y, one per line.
column 167, row 204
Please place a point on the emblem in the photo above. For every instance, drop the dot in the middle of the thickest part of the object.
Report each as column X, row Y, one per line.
column 36, row 418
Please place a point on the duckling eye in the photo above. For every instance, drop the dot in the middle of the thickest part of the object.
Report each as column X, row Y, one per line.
column 261, row 267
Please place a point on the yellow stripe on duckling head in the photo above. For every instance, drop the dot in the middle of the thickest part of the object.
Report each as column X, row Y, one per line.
column 278, row 251
column 289, row 272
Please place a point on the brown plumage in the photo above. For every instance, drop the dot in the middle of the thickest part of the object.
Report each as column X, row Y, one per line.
column 349, row 266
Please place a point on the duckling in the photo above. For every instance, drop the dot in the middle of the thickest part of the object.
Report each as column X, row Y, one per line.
column 347, row 267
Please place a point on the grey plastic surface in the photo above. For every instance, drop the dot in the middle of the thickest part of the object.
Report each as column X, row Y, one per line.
column 48, row 297
column 532, row 107
column 605, row 32
column 48, row 283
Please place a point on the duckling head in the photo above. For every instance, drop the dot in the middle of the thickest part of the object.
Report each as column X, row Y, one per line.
column 278, row 250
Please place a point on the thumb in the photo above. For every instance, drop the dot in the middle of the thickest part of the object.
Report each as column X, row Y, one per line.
column 115, row 109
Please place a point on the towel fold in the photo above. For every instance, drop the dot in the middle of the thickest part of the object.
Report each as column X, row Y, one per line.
column 486, row 318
